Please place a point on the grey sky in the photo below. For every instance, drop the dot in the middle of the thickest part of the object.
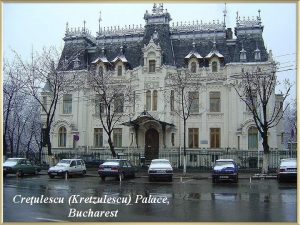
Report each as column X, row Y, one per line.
column 42, row 25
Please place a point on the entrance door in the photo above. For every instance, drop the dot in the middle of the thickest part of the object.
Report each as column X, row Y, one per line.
column 151, row 144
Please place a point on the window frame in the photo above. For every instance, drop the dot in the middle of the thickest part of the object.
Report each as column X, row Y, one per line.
column 193, row 137
column 215, row 101
column 152, row 65
column 62, row 137
column 98, row 137
column 67, row 103
column 215, row 137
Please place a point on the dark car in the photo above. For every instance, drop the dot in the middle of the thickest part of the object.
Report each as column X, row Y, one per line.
column 119, row 168
column 225, row 169
column 287, row 170
column 20, row 166
column 94, row 163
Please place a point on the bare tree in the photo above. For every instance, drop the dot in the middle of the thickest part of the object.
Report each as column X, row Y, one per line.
column 19, row 113
column 45, row 74
column 257, row 90
column 186, row 88
column 112, row 95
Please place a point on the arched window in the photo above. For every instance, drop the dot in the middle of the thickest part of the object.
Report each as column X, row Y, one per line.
column 154, row 106
column 100, row 72
column 214, row 66
column 193, row 67
column 148, row 100
column 62, row 137
column 119, row 70
column 252, row 138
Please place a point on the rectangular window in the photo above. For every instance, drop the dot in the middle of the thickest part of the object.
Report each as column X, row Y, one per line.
column 98, row 106
column 119, row 103
column 173, row 139
column 67, row 104
column 215, row 137
column 193, row 137
column 172, row 100
column 117, row 137
column 98, row 137
column 119, row 70
column 214, row 102
column 194, row 102
column 151, row 66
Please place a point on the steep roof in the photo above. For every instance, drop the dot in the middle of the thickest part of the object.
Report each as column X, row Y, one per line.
column 177, row 43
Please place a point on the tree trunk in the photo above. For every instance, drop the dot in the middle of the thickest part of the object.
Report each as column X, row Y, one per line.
column 184, row 147
column 265, row 167
column 112, row 147
column 48, row 141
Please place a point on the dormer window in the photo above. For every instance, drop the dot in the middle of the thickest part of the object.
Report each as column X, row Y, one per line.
column 257, row 55
column 100, row 71
column 193, row 67
column 151, row 66
column 243, row 55
column 119, row 70
column 214, row 66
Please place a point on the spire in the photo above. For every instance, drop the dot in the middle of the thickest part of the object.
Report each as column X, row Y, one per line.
column 100, row 19
column 84, row 25
column 67, row 28
column 224, row 14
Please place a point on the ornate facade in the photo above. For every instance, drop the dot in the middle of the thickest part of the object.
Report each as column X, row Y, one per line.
column 145, row 55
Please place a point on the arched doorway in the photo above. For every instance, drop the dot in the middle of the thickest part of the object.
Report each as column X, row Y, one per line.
column 151, row 144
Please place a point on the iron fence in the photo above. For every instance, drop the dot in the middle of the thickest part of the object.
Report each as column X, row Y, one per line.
column 202, row 159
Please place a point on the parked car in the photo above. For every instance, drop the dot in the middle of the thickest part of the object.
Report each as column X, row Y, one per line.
column 68, row 167
column 93, row 163
column 116, row 168
column 20, row 166
column 225, row 169
column 287, row 169
column 160, row 168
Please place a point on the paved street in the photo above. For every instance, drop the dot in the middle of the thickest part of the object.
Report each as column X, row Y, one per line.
column 194, row 200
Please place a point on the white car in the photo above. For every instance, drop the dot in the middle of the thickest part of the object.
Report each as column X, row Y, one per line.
column 67, row 167
column 287, row 169
column 160, row 168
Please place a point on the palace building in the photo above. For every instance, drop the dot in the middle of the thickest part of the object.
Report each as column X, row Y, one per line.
column 144, row 56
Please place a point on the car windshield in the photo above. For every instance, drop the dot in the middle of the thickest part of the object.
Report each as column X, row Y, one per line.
column 63, row 162
column 111, row 163
column 224, row 163
column 160, row 162
column 11, row 162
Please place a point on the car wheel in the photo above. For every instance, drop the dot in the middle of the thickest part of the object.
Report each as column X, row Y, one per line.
column 51, row 176
column 214, row 180
column 150, row 178
column 170, row 178
column 83, row 173
column 103, row 178
column 36, row 172
column 133, row 175
column 279, row 179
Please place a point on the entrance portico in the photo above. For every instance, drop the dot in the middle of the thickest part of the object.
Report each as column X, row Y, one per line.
column 152, row 131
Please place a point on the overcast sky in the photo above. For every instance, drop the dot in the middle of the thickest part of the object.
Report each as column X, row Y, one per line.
column 36, row 25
